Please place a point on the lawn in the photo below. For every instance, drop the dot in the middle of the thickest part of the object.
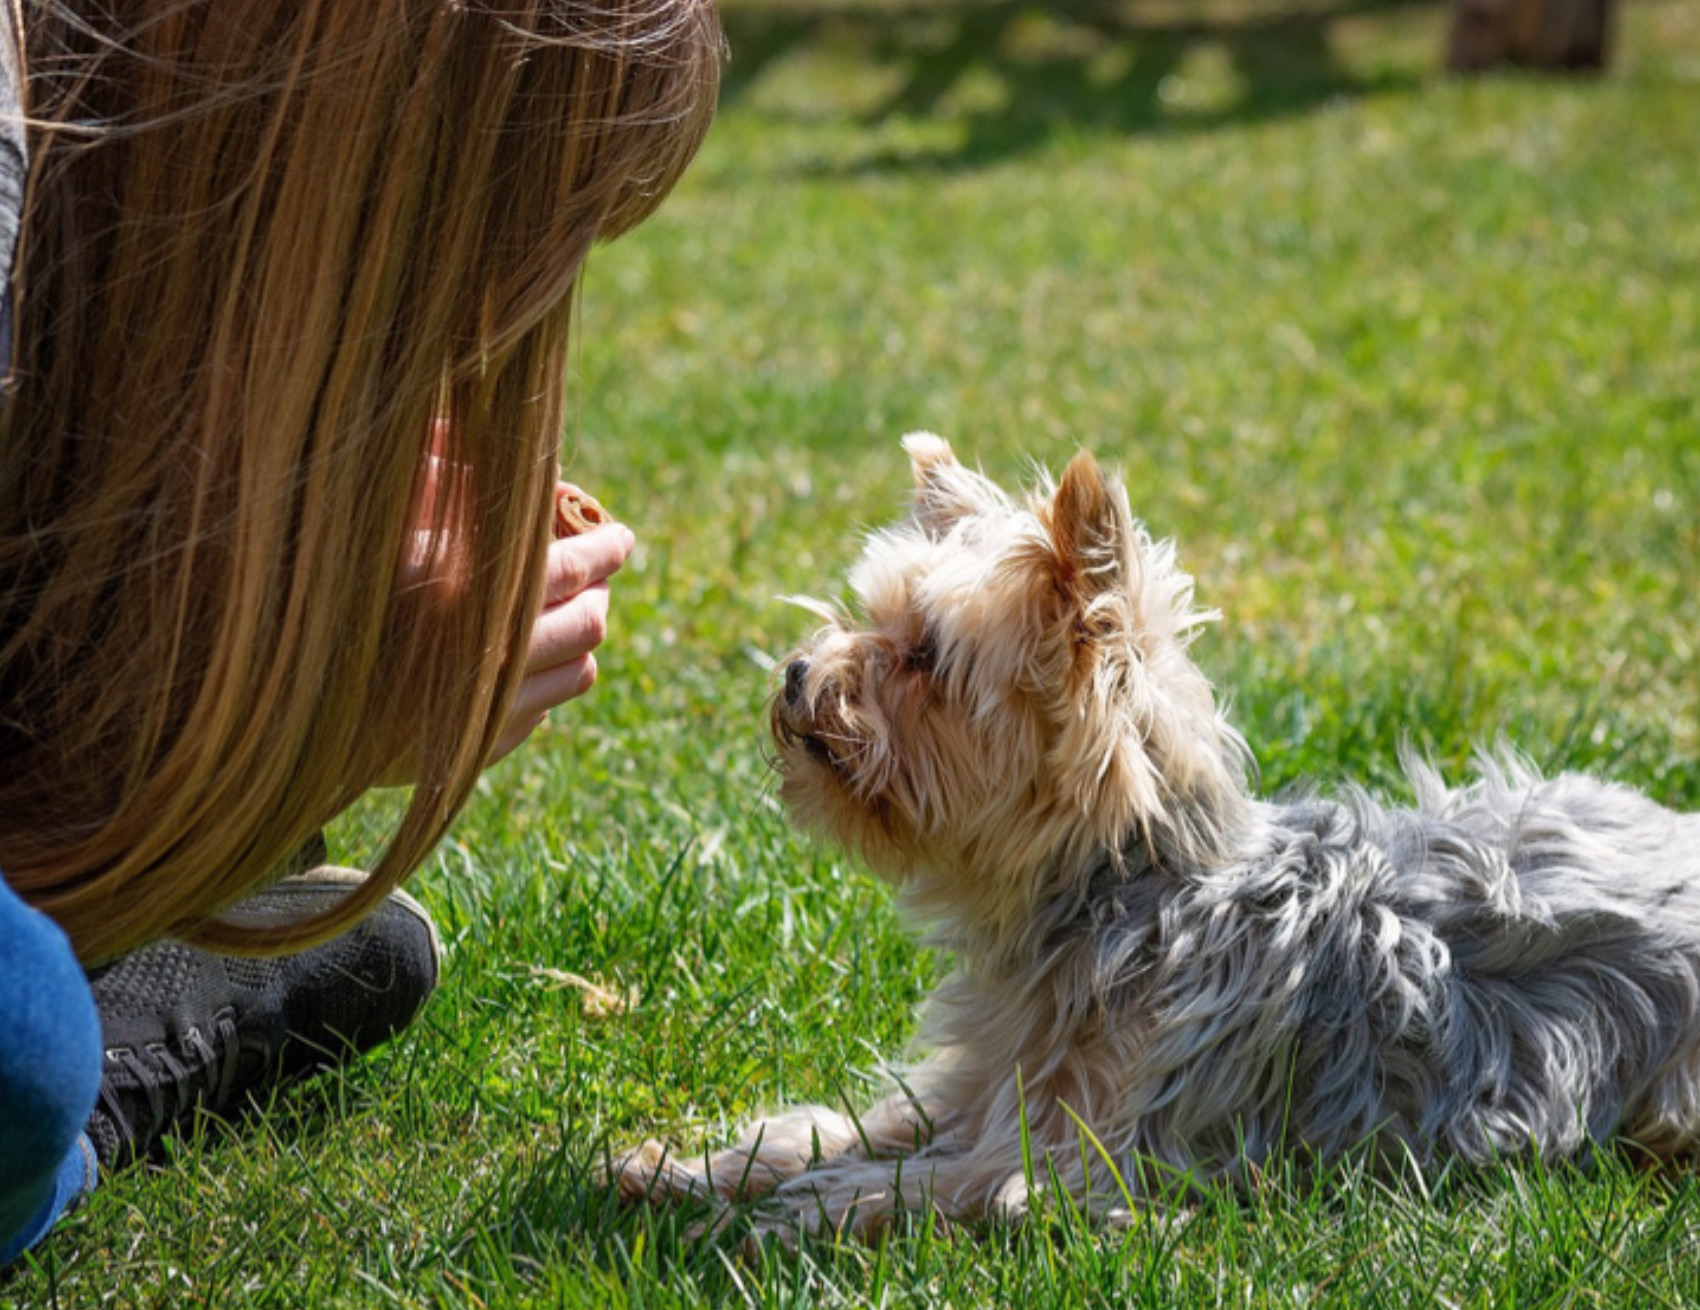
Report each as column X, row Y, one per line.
column 1409, row 366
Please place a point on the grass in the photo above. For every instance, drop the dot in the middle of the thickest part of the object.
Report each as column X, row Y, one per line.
column 1409, row 366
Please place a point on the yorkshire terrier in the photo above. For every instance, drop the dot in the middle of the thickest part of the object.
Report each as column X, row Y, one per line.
column 1158, row 975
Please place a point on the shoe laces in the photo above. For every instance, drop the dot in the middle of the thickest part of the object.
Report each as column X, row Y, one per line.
column 174, row 1082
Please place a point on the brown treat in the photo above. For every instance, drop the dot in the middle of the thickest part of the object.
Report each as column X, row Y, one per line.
column 577, row 511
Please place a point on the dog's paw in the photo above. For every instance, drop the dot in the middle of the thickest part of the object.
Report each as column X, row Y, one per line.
column 652, row 1174
column 857, row 1203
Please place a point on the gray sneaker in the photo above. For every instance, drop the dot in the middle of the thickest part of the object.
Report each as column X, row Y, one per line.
column 185, row 1029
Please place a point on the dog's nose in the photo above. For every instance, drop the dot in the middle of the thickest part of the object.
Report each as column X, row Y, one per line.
column 795, row 672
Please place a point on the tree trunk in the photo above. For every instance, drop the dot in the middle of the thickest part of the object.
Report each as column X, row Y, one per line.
column 1553, row 35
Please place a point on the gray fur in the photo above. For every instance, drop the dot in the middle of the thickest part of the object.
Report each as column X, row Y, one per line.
column 1514, row 967
column 1154, row 968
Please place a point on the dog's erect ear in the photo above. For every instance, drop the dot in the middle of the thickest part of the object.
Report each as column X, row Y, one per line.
column 928, row 453
column 1092, row 529
column 944, row 490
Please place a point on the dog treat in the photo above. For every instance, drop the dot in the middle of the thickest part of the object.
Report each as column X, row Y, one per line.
column 577, row 511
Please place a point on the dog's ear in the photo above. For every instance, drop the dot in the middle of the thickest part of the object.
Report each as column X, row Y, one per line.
column 928, row 452
column 1092, row 530
column 944, row 490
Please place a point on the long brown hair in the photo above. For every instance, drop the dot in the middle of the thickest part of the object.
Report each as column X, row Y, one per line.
column 269, row 249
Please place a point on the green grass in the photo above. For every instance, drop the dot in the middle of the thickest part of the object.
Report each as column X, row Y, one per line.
column 1409, row 366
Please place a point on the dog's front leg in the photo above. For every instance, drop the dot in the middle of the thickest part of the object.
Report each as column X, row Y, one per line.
column 957, row 1180
column 861, row 1197
column 774, row 1150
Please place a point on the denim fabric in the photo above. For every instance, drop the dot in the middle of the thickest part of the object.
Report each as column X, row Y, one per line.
column 78, row 1173
column 50, row 1062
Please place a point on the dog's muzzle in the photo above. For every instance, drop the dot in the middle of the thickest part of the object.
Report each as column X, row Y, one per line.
column 793, row 715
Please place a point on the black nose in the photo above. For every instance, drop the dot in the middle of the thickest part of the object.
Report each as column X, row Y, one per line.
column 795, row 672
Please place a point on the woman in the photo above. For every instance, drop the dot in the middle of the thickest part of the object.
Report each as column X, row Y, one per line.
column 289, row 325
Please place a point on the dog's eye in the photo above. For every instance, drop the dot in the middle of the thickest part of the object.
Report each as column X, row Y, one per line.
column 922, row 655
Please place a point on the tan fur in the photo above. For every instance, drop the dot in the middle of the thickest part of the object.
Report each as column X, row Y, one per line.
column 1156, row 970
column 973, row 735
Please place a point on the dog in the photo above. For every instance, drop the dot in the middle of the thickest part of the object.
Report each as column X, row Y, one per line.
column 1159, row 976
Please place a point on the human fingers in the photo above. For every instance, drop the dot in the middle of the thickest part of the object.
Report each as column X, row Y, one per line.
column 569, row 630
column 538, row 694
column 541, row 692
column 579, row 562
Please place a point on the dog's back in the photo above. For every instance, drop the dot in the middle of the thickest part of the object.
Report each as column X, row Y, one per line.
column 1510, row 967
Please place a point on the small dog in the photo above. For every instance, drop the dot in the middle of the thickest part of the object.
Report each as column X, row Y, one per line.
column 1156, row 970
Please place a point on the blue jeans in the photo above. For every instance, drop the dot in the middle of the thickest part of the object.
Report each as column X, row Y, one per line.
column 50, row 1057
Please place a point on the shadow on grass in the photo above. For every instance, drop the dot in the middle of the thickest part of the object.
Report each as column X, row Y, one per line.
column 1075, row 65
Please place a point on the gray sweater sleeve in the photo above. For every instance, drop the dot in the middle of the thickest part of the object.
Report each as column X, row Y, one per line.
column 13, row 162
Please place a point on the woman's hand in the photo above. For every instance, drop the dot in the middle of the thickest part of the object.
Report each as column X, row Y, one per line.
column 560, row 662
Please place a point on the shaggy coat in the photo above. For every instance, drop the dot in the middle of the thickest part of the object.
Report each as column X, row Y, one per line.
column 1156, row 970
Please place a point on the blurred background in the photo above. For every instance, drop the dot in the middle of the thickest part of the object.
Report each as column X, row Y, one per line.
column 1405, row 358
